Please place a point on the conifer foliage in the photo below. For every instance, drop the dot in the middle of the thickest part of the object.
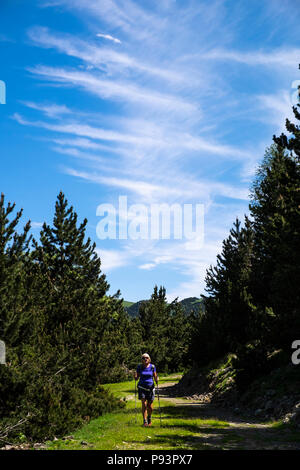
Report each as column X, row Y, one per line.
column 275, row 209
column 13, row 254
column 64, row 335
column 165, row 331
column 225, row 323
column 76, row 310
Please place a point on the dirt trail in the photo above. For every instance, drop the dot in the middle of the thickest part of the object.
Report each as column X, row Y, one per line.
column 205, row 410
column 240, row 433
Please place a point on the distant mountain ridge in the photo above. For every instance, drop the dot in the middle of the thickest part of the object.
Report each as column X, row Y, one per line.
column 188, row 304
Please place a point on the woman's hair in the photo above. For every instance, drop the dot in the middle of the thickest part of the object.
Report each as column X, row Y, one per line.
column 146, row 355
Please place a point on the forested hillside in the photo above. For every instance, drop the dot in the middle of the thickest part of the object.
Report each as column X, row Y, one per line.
column 189, row 305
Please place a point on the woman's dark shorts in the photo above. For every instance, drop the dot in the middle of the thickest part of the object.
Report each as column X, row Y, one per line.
column 146, row 394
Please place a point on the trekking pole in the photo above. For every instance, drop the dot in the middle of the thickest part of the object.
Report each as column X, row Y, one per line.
column 135, row 400
column 158, row 402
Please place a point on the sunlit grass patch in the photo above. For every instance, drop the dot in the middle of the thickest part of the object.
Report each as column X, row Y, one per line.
column 214, row 423
column 123, row 429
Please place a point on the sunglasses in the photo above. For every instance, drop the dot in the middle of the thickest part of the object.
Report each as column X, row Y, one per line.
column 145, row 358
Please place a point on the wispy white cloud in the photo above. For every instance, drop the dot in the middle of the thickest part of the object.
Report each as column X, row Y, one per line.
column 192, row 264
column 126, row 15
column 154, row 192
column 50, row 110
column 147, row 266
column 36, row 225
column 109, row 37
column 112, row 89
column 112, row 259
column 277, row 107
column 74, row 152
column 87, row 144
column 142, row 189
column 167, row 141
column 85, row 130
column 278, row 58
column 177, row 128
column 107, row 60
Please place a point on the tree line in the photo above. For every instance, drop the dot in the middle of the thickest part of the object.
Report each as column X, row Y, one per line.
column 64, row 335
column 252, row 305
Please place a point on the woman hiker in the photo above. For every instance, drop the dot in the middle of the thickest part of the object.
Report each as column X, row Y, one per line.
column 145, row 372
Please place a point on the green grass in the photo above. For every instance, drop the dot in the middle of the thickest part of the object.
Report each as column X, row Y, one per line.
column 180, row 427
column 122, row 430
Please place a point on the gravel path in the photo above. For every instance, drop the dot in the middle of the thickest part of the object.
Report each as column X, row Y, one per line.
column 241, row 432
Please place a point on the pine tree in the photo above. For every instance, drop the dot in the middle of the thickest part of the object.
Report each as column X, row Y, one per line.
column 68, row 262
column 227, row 308
column 77, row 311
column 153, row 316
column 179, row 337
column 13, row 258
column 275, row 209
column 165, row 331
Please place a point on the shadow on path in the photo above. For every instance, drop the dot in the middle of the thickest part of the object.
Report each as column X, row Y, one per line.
column 217, row 428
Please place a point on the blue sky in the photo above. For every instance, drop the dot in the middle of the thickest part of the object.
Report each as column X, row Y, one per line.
column 160, row 101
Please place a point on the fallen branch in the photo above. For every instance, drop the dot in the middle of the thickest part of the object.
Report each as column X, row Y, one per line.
column 6, row 431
